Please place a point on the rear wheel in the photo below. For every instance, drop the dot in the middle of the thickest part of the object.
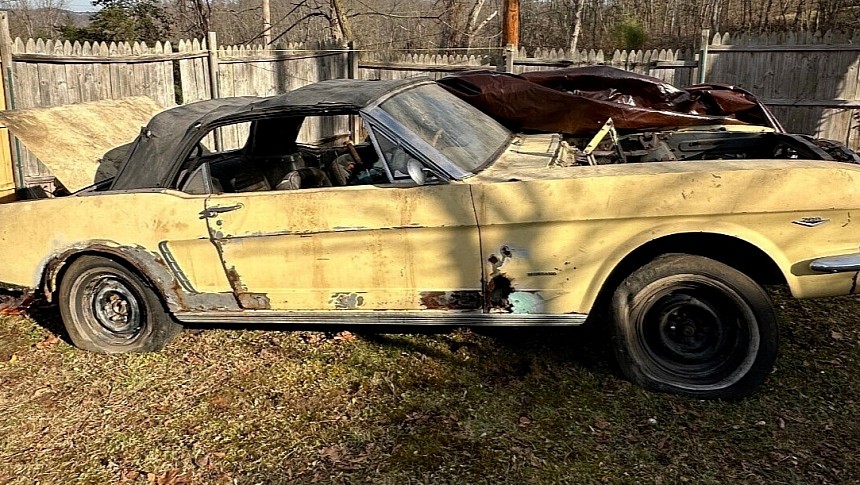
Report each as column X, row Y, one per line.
column 691, row 325
column 107, row 308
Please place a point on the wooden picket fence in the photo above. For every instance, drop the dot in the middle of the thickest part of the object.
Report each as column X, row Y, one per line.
column 53, row 73
column 810, row 80
column 673, row 66
column 385, row 65
column 49, row 73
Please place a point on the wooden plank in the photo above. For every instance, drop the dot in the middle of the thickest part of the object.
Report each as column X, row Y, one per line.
column 785, row 48
column 452, row 68
column 119, row 59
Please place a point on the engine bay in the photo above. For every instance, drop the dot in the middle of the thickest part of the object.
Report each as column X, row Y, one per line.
column 720, row 144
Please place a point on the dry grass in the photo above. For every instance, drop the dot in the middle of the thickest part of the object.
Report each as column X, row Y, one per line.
column 227, row 406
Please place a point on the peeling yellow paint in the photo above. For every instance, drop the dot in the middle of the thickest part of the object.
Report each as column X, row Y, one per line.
column 552, row 238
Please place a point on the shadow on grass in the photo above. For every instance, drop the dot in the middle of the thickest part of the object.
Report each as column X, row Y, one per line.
column 47, row 316
column 588, row 345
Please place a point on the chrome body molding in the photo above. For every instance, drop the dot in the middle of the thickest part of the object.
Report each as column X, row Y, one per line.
column 418, row 319
column 844, row 263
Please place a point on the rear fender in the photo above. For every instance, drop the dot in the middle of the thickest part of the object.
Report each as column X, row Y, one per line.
column 156, row 272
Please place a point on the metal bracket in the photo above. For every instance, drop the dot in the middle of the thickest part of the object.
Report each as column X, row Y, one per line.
column 607, row 128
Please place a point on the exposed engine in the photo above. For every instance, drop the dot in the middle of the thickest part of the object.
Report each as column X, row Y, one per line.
column 662, row 146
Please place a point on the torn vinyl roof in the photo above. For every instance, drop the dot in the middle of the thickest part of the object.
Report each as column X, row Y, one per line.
column 171, row 134
column 71, row 139
column 578, row 101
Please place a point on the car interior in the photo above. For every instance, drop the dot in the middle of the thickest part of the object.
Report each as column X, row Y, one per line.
column 272, row 159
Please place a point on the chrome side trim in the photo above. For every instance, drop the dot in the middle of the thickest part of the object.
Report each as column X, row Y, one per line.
column 174, row 267
column 422, row 318
column 844, row 263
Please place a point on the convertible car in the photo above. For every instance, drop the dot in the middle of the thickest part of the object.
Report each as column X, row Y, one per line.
column 397, row 203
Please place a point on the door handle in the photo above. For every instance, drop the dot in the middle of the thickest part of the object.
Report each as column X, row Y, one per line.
column 218, row 209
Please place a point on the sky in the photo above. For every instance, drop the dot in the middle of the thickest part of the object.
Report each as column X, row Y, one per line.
column 81, row 6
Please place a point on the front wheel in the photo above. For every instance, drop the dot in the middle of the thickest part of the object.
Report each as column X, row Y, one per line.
column 108, row 309
column 693, row 326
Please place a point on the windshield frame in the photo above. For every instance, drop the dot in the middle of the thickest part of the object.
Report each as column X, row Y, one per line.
column 421, row 147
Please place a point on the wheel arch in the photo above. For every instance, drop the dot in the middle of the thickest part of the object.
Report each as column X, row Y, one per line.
column 733, row 251
column 56, row 267
column 151, row 266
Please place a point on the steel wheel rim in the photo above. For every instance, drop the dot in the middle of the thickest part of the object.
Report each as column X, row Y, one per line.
column 113, row 307
column 693, row 328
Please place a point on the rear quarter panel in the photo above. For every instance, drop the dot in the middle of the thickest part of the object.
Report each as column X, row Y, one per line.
column 33, row 233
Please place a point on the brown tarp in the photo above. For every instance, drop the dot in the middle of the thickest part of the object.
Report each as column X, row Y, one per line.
column 578, row 101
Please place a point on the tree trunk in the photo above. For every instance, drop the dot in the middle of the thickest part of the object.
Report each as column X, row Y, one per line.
column 577, row 23
column 341, row 29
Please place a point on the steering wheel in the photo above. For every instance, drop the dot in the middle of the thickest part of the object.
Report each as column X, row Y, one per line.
column 353, row 152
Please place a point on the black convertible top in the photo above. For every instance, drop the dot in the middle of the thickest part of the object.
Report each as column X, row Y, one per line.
column 154, row 155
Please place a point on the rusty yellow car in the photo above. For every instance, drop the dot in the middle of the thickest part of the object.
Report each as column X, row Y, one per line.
column 397, row 203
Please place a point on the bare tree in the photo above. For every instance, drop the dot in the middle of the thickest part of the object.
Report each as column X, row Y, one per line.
column 36, row 18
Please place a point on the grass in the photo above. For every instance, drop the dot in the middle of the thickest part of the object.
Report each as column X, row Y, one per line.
column 547, row 406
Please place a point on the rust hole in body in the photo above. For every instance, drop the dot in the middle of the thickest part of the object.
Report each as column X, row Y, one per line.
column 496, row 296
column 451, row 300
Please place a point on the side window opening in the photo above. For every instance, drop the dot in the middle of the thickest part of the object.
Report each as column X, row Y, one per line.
column 279, row 153
column 200, row 181
column 295, row 152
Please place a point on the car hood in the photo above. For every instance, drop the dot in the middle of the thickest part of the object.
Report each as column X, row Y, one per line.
column 544, row 157
column 529, row 157
column 71, row 140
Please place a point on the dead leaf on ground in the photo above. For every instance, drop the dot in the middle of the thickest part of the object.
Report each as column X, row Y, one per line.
column 525, row 421
column 202, row 461
column 601, row 423
column 332, row 454
column 130, row 475
column 345, row 336
column 50, row 341
column 835, row 335
column 15, row 305
column 169, row 477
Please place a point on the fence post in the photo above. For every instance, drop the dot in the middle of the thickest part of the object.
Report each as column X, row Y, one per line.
column 510, row 55
column 13, row 169
column 352, row 73
column 703, row 55
column 214, row 91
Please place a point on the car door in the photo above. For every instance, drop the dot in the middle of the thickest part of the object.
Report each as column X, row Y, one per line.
column 360, row 247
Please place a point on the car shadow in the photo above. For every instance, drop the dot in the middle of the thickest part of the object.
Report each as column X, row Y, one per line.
column 588, row 346
column 47, row 316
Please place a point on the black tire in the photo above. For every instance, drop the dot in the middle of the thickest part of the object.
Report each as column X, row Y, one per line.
column 693, row 326
column 109, row 309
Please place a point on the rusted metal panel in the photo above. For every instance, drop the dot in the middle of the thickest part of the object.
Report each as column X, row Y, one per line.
column 254, row 301
column 129, row 227
column 451, row 300
column 548, row 240
column 347, row 301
